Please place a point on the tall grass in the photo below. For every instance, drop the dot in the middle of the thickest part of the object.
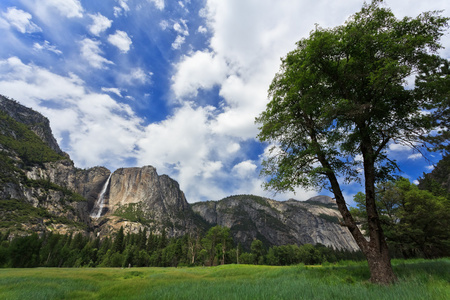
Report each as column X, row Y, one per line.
column 418, row 279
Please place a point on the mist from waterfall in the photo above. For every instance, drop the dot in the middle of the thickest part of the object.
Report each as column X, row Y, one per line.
column 98, row 207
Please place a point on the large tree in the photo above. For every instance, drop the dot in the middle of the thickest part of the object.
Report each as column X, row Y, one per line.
column 338, row 102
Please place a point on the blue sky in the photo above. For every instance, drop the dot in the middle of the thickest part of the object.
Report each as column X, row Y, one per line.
column 172, row 84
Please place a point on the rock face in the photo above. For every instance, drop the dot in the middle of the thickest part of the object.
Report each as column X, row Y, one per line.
column 88, row 183
column 141, row 194
column 278, row 223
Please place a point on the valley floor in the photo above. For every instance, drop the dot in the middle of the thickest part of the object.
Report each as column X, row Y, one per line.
column 418, row 279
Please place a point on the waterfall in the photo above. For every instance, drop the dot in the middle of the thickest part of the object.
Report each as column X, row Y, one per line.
column 98, row 207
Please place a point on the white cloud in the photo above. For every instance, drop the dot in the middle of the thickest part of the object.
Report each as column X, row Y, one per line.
column 181, row 28
column 116, row 91
column 90, row 51
column 100, row 24
column 123, row 4
column 117, row 11
column 121, row 40
column 123, row 7
column 179, row 40
column 46, row 46
column 202, row 29
column 245, row 169
column 67, row 8
column 233, row 148
column 201, row 70
column 20, row 20
column 158, row 3
column 180, row 144
column 415, row 156
column 399, row 147
column 135, row 76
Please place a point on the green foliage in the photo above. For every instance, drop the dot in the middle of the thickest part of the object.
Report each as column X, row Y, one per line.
column 15, row 212
column 132, row 212
column 415, row 221
column 29, row 147
column 8, row 171
column 438, row 180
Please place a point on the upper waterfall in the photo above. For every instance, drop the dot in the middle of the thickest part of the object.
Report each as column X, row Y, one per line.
column 98, row 207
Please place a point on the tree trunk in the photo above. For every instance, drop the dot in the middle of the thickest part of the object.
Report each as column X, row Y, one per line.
column 375, row 250
column 380, row 265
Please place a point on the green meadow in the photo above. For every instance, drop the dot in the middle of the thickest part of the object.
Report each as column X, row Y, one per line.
column 418, row 279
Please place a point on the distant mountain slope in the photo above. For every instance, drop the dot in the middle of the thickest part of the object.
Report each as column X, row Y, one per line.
column 278, row 223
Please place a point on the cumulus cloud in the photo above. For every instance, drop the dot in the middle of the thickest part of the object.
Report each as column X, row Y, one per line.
column 20, row 20
column 245, row 169
column 121, row 40
column 201, row 70
column 90, row 51
column 100, row 23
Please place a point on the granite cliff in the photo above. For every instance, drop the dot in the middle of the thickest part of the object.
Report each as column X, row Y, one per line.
column 279, row 223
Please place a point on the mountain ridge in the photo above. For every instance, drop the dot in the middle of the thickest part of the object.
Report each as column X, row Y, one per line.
column 138, row 198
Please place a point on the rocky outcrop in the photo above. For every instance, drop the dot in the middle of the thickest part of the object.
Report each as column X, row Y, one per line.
column 86, row 182
column 278, row 223
column 157, row 201
column 39, row 124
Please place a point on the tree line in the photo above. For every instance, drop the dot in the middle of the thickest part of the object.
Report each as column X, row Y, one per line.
column 146, row 249
column 415, row 221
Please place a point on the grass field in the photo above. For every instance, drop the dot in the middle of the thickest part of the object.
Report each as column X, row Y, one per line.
column 418, row 279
